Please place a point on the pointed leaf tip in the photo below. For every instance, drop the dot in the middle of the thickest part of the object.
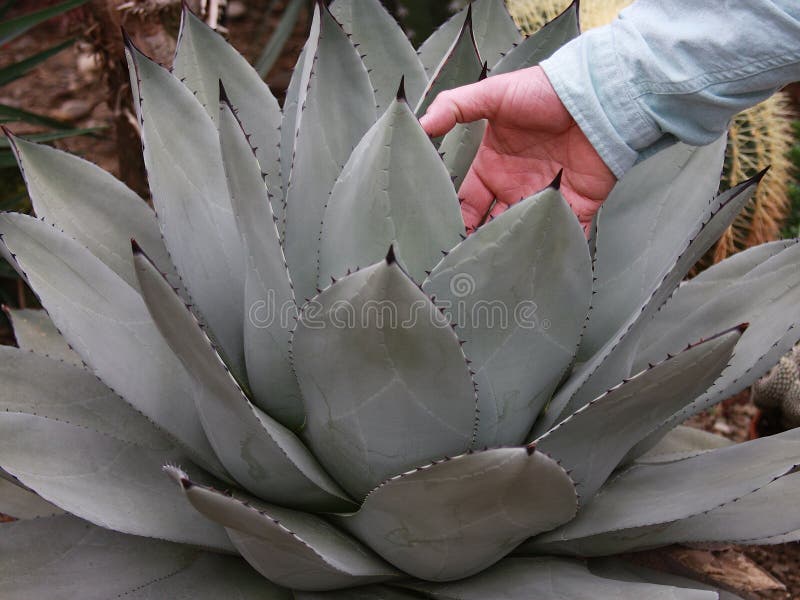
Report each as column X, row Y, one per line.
column 401, row 90
column 530, row 449
column 556, row 183
column 390, row 256
column 126, row 39
column 179, row 475
column 223, row 95
column 761, row 174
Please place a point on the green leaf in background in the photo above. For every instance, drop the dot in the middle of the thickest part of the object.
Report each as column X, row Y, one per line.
column 18, row 69
column 17, row 26
column 280, row 35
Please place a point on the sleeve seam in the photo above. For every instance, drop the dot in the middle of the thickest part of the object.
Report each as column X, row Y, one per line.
column 701, row 82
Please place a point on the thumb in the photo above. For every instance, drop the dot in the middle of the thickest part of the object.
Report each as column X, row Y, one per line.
column 463, row 105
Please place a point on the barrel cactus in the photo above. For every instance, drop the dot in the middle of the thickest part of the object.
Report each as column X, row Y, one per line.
column 778, row 392
column 314, row 385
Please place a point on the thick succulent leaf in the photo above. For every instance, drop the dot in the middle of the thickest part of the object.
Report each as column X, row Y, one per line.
column 63, row 558
column 760, row 286
column 269, row 305
column 640, row 230
column 91, row 206
column 659, row 493
column 793, row 536
column 565, row 579
column 294, row 549
column 69, row 438
column 459, row 148
column 456, row 517
column 683, row 442
column 385, row 384
column 16, row 26
column 80, row 427
column 376, row 202
column 462, row 64
column 202, row 59
column 106, row 322
column 110, row 482
column 770, row 511
column 184, row 167
column 494, row 30
column 387, row 52
column 542, row 44
column 34, row 331
column 520, row 334
column 259, row 453
column 614, row 361
column 608, row 427
column 65, row 392
column 293, row 105
column 21, row 503
column 624, row 570
column 338, row 108
column 368, row 592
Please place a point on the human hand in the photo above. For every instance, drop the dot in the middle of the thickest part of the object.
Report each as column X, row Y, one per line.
column 530, row 136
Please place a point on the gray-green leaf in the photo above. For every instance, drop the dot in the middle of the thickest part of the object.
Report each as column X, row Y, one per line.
column 74, row 442
column 615, row 359
column 377, row 202
column 269, row 308
column 760, row 286
column 108, row 325
column 650, row 494
column 19, row 502
column 293, row 105
column 459, row 148
column 337, row 110
column 542, row 44
column 259, row 453
column 294, row 549
column 91, row 206
column 456, row 517
column 768, row 512
column 561, row 578
column 461, row 65
column 34, row 331
column 591, row 443
column 64, row 558
column 388, row 54
column 184, row 168
column 505, row 288
column 640, row 228
column 202, row 59
column 385, row 384
column 494, row 30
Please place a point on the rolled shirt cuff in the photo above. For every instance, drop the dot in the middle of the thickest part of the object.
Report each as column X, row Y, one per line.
column 594, row 87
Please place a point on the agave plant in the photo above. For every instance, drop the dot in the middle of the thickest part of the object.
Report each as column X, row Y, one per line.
column 440, row 419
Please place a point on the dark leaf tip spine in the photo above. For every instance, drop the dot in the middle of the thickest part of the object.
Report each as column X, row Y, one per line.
column 391, row 258
column 223, row 95
column 556, row 183
column 401, row 90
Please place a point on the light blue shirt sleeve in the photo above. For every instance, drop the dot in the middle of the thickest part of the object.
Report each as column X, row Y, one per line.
column 679, row 68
